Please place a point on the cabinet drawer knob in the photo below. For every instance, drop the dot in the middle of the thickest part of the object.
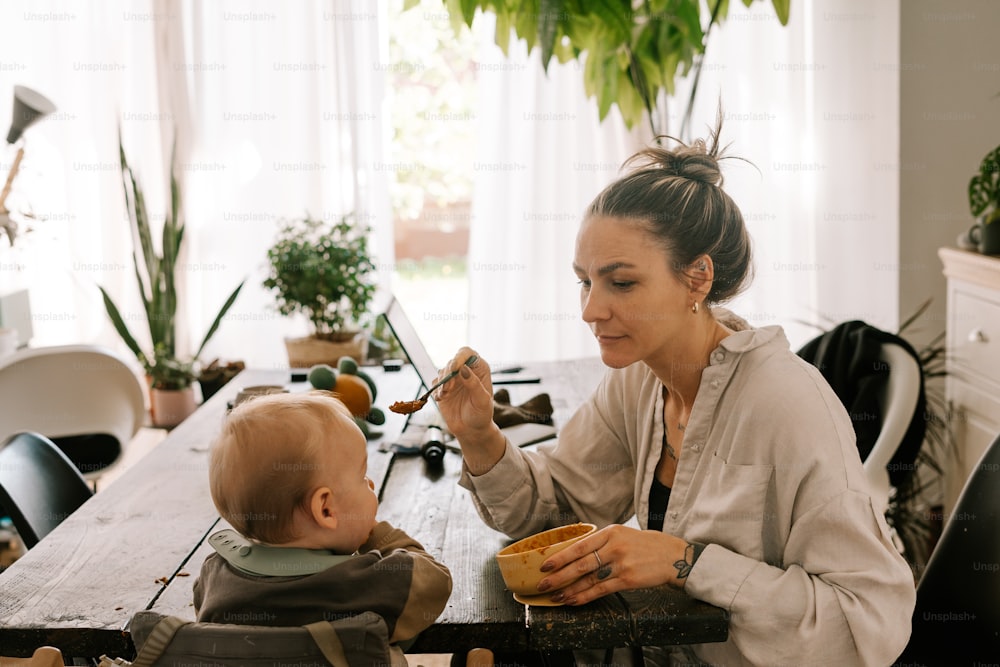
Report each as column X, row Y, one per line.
column 977, row 336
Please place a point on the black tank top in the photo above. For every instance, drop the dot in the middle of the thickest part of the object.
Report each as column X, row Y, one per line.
column 659, row 496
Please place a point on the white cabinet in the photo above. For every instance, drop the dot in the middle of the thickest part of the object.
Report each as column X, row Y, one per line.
column 973, row 361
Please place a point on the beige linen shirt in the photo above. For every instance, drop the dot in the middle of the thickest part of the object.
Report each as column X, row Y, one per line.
column 769, row 478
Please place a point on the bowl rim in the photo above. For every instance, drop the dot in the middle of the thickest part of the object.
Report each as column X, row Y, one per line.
column 506, row 551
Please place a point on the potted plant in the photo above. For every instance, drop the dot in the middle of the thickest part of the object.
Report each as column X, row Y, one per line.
column 323, row 271
column 984, row 200
column 630, row 53
column 216, row 374
column 170, row 376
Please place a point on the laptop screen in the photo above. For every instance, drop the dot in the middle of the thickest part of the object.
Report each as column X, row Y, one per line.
column 402, row 329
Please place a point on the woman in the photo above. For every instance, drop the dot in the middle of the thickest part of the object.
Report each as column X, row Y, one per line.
column 736, row 458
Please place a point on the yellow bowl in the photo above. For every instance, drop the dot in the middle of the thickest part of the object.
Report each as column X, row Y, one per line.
column 521, row 562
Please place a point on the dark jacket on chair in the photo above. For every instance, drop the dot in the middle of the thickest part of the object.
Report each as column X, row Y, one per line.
column 848, row 357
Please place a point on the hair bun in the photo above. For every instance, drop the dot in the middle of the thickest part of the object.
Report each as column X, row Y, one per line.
column 696, row 163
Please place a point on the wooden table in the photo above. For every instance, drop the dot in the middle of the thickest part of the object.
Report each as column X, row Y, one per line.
column 140, row 543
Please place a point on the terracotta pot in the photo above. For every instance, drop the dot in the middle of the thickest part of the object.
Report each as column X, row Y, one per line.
column 308, row 351
column 169, row 407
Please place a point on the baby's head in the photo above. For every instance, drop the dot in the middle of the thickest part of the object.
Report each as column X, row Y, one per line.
column 290, row 470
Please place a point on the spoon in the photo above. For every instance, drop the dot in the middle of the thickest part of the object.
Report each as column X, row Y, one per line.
column 409, row 407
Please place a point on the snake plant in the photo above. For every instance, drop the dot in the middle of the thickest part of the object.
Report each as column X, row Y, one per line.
column 155, row 274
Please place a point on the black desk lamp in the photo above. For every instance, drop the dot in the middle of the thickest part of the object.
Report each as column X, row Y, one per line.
column 29, row 106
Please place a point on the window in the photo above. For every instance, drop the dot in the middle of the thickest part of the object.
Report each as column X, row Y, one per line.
column 432, row 94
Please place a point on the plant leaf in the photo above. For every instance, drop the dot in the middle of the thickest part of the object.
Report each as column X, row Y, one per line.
column 782, row 8
column 548, row 28
column 455, row 16
column 526, row 23
column 502, row 32
column 720, row 9
column 984, row 186
column 218, row 318
column 468, row 8
column 119, row 323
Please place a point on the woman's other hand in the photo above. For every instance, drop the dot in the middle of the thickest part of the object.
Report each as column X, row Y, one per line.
column 466, row 404
column 617, row 558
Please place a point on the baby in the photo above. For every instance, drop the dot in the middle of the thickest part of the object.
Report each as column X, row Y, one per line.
column 288, row 472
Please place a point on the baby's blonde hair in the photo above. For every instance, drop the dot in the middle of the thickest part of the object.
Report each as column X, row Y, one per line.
column 265, row 462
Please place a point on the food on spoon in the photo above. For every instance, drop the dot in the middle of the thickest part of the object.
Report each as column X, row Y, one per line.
column 406, row 407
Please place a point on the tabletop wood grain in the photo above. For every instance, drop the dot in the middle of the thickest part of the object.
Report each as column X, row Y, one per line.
column 139, row 544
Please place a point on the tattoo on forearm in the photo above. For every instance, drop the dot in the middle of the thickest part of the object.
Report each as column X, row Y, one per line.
column 691, row 553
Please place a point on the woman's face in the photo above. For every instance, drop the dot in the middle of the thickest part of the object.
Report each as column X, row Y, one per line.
column 633, row 302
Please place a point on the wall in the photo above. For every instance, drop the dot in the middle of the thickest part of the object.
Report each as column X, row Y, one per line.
column 949, row 119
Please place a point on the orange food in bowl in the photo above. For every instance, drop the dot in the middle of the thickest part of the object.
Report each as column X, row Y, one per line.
column 521, row 562
column 355, row 394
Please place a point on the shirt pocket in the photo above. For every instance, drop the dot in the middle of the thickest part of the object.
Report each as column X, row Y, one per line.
column 731, row 509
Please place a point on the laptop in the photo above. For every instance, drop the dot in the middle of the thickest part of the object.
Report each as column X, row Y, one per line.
column 415, row 350
column 402, row 328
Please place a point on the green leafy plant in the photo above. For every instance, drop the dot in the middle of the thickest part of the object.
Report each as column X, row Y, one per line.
column 632, row 51
column 323, row 271
column 984, row 188
column 156, row 280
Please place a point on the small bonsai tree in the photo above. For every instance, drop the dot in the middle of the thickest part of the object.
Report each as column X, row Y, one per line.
column 323, row 271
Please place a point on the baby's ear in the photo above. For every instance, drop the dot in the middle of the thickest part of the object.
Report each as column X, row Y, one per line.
column 322, row 508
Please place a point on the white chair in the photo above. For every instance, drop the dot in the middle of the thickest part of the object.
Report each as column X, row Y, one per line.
column 898, row 403
column 85, row 398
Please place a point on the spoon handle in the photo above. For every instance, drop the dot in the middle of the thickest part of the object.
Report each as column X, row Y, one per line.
column 468, row 362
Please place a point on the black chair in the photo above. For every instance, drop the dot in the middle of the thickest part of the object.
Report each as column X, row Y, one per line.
column 878, row 378
column 39, row 485
column 957, row 617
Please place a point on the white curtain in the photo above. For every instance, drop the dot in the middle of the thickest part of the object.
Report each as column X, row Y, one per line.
column 276, row 109
column 543, row 157
column 814, row 105
column 281, row 110
column 94, row 61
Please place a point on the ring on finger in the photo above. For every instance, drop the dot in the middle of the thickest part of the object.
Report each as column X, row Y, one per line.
column 603, row 570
